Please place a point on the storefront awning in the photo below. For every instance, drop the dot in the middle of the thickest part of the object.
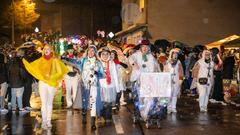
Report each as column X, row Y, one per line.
column 130, row 29
column 228, row 42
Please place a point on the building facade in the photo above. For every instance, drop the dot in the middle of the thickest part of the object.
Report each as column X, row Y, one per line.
column 189, row 21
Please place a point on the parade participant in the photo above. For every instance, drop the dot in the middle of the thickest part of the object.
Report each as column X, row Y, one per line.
column 71, row 80
column 91, row 71
column 3, row 83
column 121, row 75
column 217, row 94
column 228, row 76
column 142, row 61
column 174, row 66
column 49, row 70
column 109, row 84
column 203, row 72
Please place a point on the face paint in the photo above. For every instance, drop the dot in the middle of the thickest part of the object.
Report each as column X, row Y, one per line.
column 144, row 49
column 174, row 58
column 207, row 57
column 91, row 52
column 105, row 56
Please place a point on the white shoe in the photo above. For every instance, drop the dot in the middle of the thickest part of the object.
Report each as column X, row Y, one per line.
column 49, row 124
column 44, row 126
column 123, row 103
column 202, row 110
column 28, row 108
column 169, row 111
column 223, row 103
column 21, row 110
column 205, row 110
column 212, row 100
column 174, row 110
column 3, row 110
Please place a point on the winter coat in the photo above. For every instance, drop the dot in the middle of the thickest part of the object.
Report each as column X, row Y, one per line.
column 3, row 70
column 15, row 73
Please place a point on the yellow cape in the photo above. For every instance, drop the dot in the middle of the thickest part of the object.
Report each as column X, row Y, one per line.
column 49, row 71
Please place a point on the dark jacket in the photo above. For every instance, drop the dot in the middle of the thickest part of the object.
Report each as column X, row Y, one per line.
column 3, row 69
column 16, row 73
column 228, row 66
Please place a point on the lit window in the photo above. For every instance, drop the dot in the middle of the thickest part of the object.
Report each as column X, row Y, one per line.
column 141, row 4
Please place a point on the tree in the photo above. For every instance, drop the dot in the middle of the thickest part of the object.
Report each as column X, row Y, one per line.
column 23, row 12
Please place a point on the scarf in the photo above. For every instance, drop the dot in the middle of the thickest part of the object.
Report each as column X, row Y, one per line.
column 144, row 56
column 108, row 76
column 116, row 61
column 70, row 56
column 48, row 57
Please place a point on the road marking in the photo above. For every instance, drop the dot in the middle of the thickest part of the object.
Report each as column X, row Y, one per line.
column 118, row 125
column 4, row 127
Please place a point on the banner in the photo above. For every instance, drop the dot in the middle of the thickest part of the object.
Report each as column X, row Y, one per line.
column 155, row 85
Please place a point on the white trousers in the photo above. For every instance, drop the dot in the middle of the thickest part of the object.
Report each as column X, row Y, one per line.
column 173, row 100
column 204, row 91
column 71, row 89
column 47, row 93
column 3, row 89
column 172, row 103
column 93, row 97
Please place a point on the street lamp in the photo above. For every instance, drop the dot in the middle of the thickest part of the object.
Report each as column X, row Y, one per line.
column 111, row 35
column 36, row 30
column 13, row 23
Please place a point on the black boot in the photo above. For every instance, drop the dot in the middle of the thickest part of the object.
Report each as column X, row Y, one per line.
column 93, row 121
column 108, row 116
column 84, row 116
column 118, row 100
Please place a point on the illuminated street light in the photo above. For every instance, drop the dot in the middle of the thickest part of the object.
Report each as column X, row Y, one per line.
column 111, row 35
column 36, row 30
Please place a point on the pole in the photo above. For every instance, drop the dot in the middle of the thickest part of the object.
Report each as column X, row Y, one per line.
column 92, row 19
column 25, row 17
column 13, row 24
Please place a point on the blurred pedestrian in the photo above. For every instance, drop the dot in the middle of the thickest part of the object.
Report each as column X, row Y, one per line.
column 3, row 83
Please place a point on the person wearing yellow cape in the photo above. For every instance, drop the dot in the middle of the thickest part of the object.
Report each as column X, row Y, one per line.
column 49, row 70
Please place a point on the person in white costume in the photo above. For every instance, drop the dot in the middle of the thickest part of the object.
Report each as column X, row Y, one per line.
column 203, row 72
column 109, row 84
column 121, row 70
column 91, row 70
column 174, row 66
column 71, row 81
column 142, row 61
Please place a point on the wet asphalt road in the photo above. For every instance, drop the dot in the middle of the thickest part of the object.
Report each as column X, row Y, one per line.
column 219, row 120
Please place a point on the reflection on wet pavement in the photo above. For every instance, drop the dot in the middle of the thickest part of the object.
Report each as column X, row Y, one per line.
column 219, row 120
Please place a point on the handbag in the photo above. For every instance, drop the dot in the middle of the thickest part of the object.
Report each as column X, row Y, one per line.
column 204, row 80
